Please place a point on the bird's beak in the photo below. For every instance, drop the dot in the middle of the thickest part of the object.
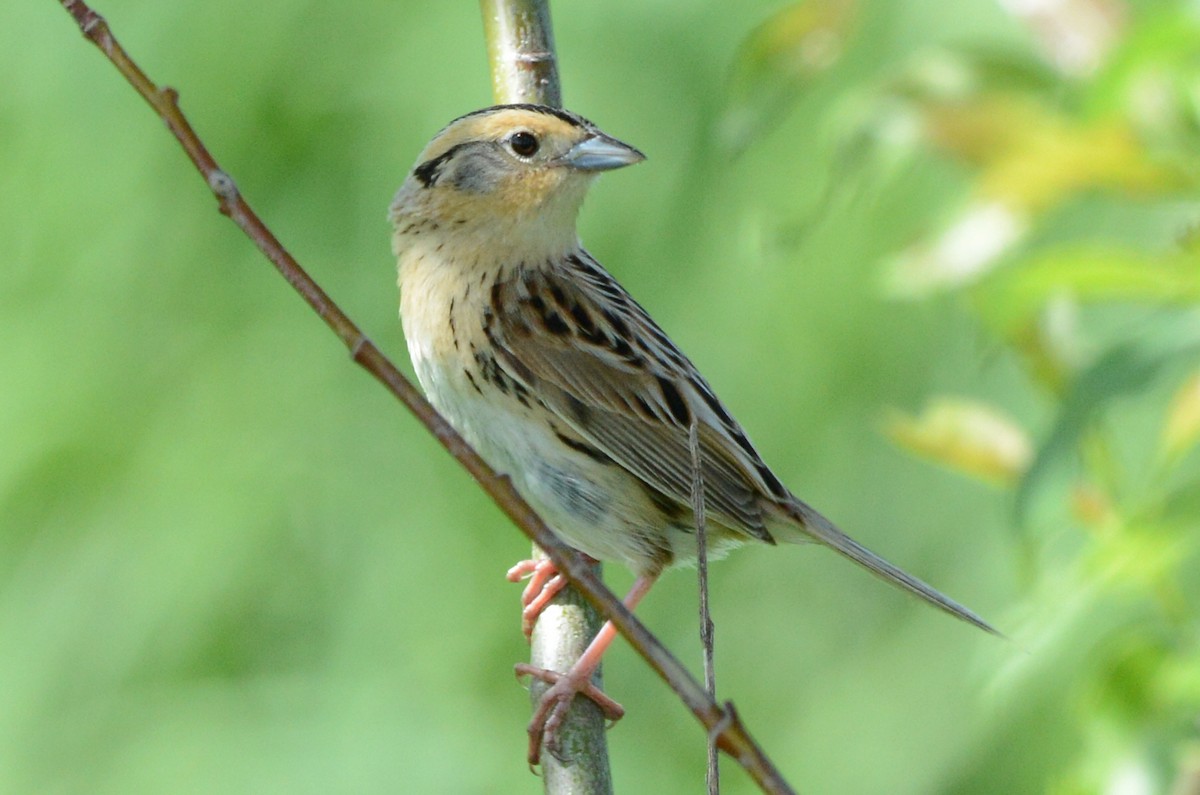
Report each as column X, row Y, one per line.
column 601, row 153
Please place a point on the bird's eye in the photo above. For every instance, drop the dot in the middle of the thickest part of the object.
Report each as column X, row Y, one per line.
column 523, row 144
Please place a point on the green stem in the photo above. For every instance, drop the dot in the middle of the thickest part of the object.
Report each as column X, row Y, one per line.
column 520, row 46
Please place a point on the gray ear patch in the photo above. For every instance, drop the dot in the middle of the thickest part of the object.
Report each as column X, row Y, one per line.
column 475, row 167
column 478, row 168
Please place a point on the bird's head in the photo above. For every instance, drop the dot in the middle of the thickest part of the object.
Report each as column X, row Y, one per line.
column 511, row 172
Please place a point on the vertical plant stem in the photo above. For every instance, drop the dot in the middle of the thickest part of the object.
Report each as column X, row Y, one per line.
column 520, row 44
column 707, row 642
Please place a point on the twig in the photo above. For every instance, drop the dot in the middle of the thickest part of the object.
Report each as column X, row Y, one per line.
column 712, row 774
column 732, row 736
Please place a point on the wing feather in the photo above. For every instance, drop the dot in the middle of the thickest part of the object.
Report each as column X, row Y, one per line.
column 596, row 359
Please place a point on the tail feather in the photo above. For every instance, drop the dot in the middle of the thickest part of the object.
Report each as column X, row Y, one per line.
column 824, row 531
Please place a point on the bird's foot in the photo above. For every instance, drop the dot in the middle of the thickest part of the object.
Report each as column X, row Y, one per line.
column 556, row 701
column 544, row 584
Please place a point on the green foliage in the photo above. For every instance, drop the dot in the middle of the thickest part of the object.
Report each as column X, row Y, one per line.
column 1071, row 249
column 890, row 233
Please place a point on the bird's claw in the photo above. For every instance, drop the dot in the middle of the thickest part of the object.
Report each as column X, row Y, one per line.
column 544, row 584
column 554, row 704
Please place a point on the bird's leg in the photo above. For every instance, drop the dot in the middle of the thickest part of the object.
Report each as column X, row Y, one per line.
column 552, row 708
column 544, row 584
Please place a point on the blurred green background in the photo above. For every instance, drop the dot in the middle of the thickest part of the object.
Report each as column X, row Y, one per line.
column 940, row 258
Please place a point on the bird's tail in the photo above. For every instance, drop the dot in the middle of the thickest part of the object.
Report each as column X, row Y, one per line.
column 821, row 529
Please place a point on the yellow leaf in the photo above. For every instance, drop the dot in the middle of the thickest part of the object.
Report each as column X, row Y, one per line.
column 1181, row 430
column 1059, row 160
column 1034, row 158
column 967, row 436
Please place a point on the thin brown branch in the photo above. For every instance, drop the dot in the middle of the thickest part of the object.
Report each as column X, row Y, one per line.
column 723, row 722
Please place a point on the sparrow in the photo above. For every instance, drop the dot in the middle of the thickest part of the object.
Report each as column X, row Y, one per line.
column 562, row 381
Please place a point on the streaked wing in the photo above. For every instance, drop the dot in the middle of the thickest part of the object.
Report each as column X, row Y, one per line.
column 585, row 348
column 595, row 358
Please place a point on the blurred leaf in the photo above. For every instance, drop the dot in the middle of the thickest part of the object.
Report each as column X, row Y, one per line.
column 778, row 61
column 1092, row 506
column 1181, row 682
column 968, row 248
column 1013, row 192
column 1187, row 779
column 878, row 130
column 1034, row 155
column 1075, row 35
column 1182, row 428
column 1128, row 368
column 1152, row 75
column 1142, row 559
column 1053, row 159
column 1031, row 157
column 874, row 138
column 1086, row 272
column 977, row 69
column 982, row 126
column 967, row 436
column 1182, row 505
column 1052, row 343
